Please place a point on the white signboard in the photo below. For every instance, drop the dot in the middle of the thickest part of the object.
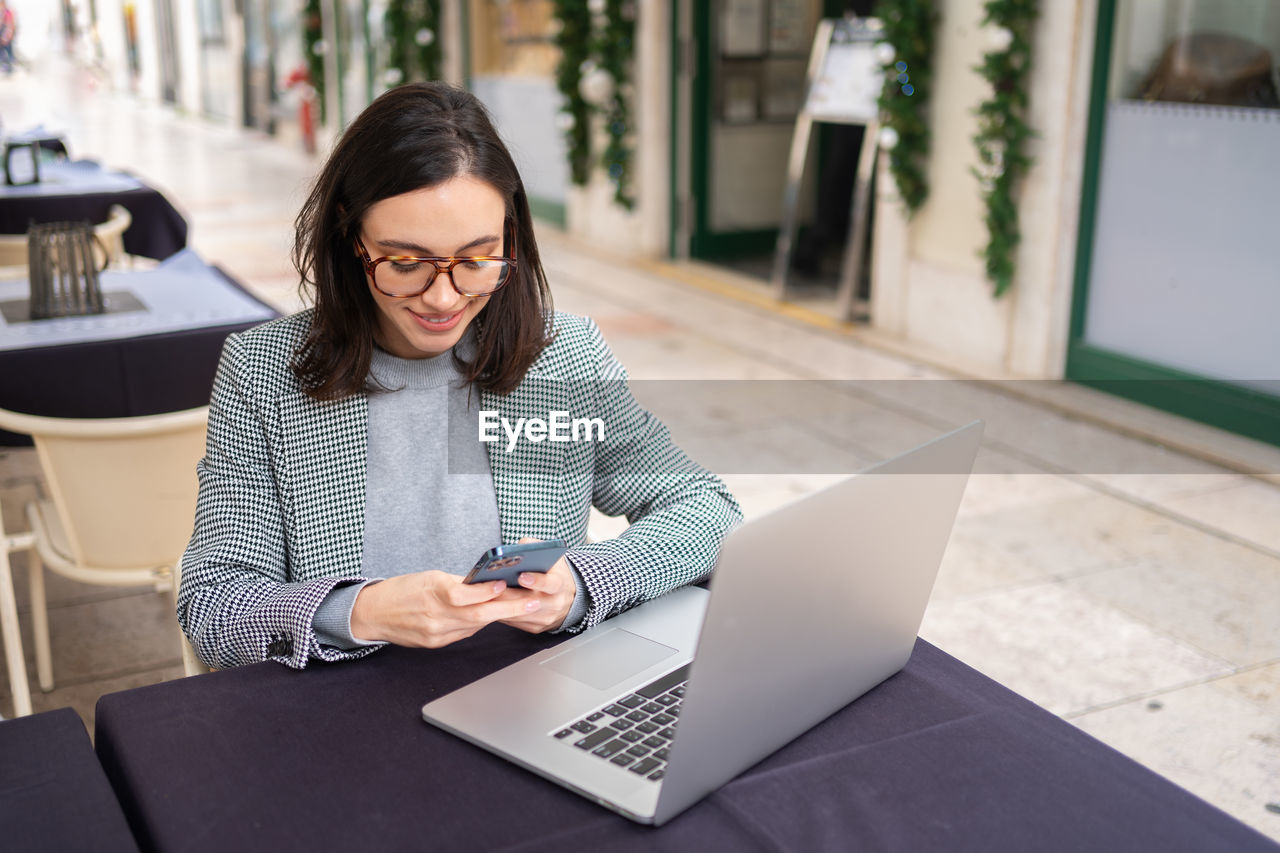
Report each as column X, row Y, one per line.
column 847, row 85
column 844, row 84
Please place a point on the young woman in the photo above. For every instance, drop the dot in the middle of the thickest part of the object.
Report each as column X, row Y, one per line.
column 344, row 491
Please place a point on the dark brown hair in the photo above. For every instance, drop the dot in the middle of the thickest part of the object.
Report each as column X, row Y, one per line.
column 412, row 137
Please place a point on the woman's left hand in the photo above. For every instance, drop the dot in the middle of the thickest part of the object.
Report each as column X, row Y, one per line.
column 554, row 589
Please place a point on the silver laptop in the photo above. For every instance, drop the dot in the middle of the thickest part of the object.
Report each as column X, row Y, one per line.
column 811, row 606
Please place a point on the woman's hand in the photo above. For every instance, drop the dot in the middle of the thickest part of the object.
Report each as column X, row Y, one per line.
column 553, row 591
column 434, row 609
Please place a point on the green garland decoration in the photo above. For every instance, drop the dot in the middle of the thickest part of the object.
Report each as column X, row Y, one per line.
column 615, row 48
column 312, row 37
column 909, row 27
column 1003, row 131
column 604, row 40
column 412, row 30
column 574, row 41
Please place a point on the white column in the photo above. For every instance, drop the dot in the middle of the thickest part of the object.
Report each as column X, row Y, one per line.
column 233, row 27
column 452, row 44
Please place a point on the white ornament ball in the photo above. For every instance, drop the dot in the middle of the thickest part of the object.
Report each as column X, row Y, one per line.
column 320, row 48
column 424, row 37
column 999, row 39
column 885, row 53
column 596, row 7
column 564, row 122
column 393, row 76
column 888, row 138
column 597, row 87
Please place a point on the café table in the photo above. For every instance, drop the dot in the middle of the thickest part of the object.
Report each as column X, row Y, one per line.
column 53, row 794
column 76, row 190
column 157, row 353
column 337, row 757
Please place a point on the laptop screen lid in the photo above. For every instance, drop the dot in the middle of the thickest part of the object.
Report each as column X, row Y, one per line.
column 812, row 605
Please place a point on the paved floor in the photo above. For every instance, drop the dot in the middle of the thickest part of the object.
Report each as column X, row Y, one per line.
column 1132, row 589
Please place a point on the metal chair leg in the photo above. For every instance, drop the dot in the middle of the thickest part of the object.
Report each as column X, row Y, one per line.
column 12, row 634
column 40, row 621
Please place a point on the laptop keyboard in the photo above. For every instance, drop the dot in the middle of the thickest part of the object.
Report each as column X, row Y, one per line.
column 634, row 731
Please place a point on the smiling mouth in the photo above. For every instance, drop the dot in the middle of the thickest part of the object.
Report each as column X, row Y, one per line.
column 437, row 322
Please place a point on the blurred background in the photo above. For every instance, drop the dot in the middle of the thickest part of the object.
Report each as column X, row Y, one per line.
column 1117, row 557
column 1146, row 248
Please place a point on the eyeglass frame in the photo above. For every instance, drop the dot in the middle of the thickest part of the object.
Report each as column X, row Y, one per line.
column 370, row 265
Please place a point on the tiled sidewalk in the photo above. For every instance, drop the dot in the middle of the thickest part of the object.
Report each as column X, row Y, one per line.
column 1129, row 588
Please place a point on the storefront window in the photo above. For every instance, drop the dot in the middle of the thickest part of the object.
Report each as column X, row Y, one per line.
column 760, row 51
column 513, row 37
column 513, row 62
column 1184, row 260
column 1219, row 52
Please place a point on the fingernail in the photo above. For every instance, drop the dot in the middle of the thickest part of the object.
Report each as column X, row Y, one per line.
column 531, row 606
column 499, row 586
column 526, row 579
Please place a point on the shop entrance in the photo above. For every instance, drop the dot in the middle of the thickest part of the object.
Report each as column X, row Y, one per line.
column 739, row 72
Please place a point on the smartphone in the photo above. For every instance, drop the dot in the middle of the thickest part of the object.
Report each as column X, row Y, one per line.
column 506, row 562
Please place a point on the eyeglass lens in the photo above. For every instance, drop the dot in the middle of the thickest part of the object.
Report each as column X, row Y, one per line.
column 409, row 278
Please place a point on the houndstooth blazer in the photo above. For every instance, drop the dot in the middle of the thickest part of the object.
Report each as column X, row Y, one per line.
column 280, row 515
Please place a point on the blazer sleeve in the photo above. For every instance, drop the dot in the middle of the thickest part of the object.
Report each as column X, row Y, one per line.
column 236, row 603
column 679, row 511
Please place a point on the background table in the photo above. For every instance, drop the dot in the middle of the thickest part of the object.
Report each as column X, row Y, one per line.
column 121, row 365
column 53, row 794
column 83, row 190
column 337, row 757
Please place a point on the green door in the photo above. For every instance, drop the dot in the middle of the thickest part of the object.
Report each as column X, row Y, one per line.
column 738, row 83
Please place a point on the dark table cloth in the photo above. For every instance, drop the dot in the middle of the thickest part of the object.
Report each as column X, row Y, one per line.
column 117, row 378
column 53, row 794
column 158, row 230
column 337, row 757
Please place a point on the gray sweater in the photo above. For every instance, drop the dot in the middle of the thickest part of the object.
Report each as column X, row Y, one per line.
column 421, row 512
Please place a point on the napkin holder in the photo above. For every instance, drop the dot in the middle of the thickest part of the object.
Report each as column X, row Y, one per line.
column 63, row 270
column 21, row 163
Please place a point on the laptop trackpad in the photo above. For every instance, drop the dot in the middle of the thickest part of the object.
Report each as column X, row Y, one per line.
column 609, row 658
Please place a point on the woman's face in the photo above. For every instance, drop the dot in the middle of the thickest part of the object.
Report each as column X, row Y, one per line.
column 461, row 217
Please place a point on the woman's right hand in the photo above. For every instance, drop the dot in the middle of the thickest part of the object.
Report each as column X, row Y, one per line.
column 430, row 609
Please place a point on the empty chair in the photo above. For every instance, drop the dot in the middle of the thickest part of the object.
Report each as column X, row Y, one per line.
column 111, row 234
column 110, row 243
column 13, row 250
column 122, row 495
